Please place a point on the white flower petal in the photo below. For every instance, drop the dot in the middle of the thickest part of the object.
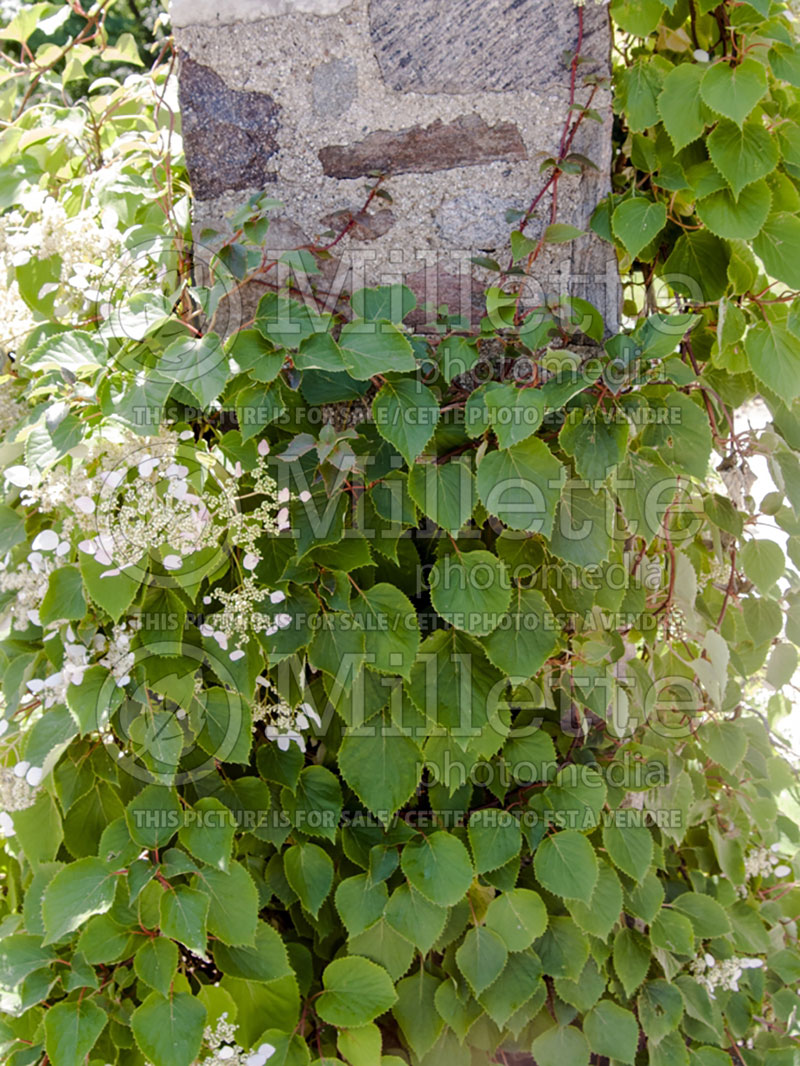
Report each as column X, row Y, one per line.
column 18, row 475
column 235, row 656
column 173, row 562
column 46, row 541
column 86, row 505
column 250, row 561
column 782, row 871
column 277, row 596
column 34, row 776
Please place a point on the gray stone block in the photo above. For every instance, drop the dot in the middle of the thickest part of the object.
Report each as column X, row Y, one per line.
column 466, row 46
column 334, row 87
column 229, row 136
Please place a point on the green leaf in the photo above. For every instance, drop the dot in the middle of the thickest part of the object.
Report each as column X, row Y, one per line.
column 22, row 954
column 637, row 222
column 521, row 486
column 406, row 413
column 725, row 743
column 563, row 1045
column 439, row 867
column 630, row 849
column 734, row 219
column 458, row 355
column 660, row 1007
column 563, row 949
column 338, row 640
column 763, row 562
column 265, row 963
column 361, row 1046
column 597, row 443
column 309, row 871
column 444, row 492
column 184, row 914
column 370, row 348
column 169, row 1030
column 288, row 322
column 471, row 591
column 561, row 233
column 207, row 832
column 316, row 803
column 707, row 916
column 519, row 982
column 389, row 302
column 733, row 91
column 71, row 1031
column 415, row 1011
column 415, row 918
column 495, row 838
column 742, row 156
column 672, row 932
column 631, row 956
column 680, row 106
column 360, row 903
column 566, row 865
column 81, row 889
column 698, row 266
column 356, row 992
column 233, row 903
column 153, row 816
column 525, row 637
column 516, row 414
column 612, row 1032
column 581, row 533
column 778, row 248
column 156, row 963
column 454, row 685
column 114, row 594
column 256, row 407
column 64, row 598
column 381, row 766
column 252, row 352
column 602, row 912
column 391, row 629
column 518, row 917
column 481, row 958
column 197, row 363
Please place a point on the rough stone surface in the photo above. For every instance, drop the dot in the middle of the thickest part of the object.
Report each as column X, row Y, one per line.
column 328, row 70
column 458, row 46
column 466, row 142
column 229, row 136
column 334, row 87
column 197, row 12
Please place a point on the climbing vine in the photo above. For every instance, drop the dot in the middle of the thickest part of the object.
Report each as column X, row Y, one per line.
column 375, row 695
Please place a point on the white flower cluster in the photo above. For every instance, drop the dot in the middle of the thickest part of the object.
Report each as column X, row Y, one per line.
column 762, row 863
column 53, row 689
column 12, row 410
column 18, row 786
column 282, row 722
column 241, row 615
column 725, row 973
column 29, row 581
column 86, row 243
column 221, row 1042
column 118, row 655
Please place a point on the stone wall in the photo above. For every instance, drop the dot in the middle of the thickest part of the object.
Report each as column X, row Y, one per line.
column 456, row 101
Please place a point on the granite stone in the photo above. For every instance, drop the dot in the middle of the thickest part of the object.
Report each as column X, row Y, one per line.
column 463, row 46
column 465, row 142
column 229, row 136
column 334, row 87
